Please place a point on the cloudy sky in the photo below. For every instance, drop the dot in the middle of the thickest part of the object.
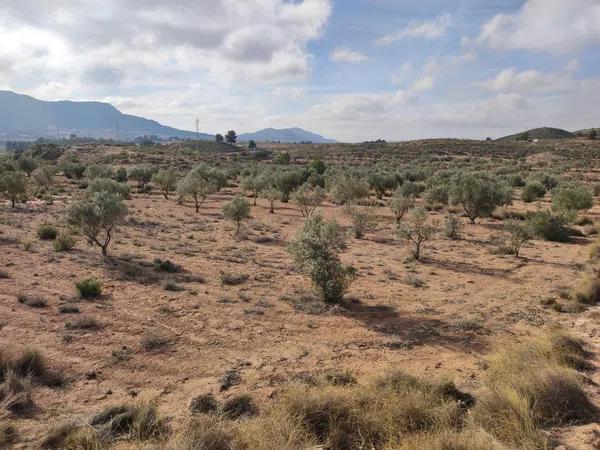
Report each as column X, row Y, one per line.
column 348, row 69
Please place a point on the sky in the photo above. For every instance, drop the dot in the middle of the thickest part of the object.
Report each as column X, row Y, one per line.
column 352, row 70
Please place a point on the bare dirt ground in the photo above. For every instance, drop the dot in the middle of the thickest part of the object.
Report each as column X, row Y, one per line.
column 438, row 317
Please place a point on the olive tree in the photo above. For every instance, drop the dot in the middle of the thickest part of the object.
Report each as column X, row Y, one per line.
column 271, row 195
column 143, row 175
column 200, row 182
column 43, row 176
column 315, row 254
column 97, row 216
column 308, row 199
column 381, row 183
column 417, row 230
column 287, row 182
column 346, row 187
column 108, row 185
column 478, row 195
column 572, row 197
column 237, row 210
column 515, row 234
column 400, row 203
column 13, row 186
column 254, row 184
column 166, row 180
column 27, row 165
column 534, row 190
column 363, row 219
column 98, row 171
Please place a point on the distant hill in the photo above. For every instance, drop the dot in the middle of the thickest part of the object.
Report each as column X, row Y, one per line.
column 540, row 133
column 285, row 135
column 24, row 117
column 586, row 132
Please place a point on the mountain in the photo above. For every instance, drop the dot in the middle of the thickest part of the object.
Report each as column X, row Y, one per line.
column 24, row 117
column 285, row 135
column 586, row 132
column 540, row 133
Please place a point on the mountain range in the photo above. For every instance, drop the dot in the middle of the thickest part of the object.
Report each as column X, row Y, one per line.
column 26, row 118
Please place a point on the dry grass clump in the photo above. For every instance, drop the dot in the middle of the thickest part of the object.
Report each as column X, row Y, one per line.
column 207, row 432
column 72, row 437
column 588, row 290
column 532, row 386
column 8, row 432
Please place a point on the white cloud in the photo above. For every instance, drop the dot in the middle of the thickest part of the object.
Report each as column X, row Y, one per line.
column 349, row 56
column 428, row 30
column 544, row 26
column 424, row 84
column 400, row 75
column 510, row 80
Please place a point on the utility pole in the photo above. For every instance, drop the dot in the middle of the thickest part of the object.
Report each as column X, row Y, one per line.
column 197, row 134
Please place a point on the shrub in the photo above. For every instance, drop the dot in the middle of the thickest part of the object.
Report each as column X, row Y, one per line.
column 549, row 181
column 43, row 176
column 400, row 203
column 206, row 432
column 346, row 187
column 478, row 195
column 287, row 182
column 411, row 188
column 32, row 302
column 532, row 191
column 47, row 232
column 516, row 181
column 201, row 182
column 237, row 210
column 73, row 169
column 166, row 180
column 121, row 175
column 166, row 265
column 204, row 404
column 437, row 196
column 239, row 406
column 143, row 175
column 363, row 219
column 514, row 235
column 13, row 186
column 571, row 198
column 107, row 185
column 417, row 230
column 83, row 323
column 27, row 165
column 315, row 253
column 97, row 216
column 588, row 290
column 64, row 242
column 381, row 183
column 89, row 288
column 452, row 226
column 308, row 199
column 138, row 422
column 549, row 226
column 98, row 171
column 152, row 341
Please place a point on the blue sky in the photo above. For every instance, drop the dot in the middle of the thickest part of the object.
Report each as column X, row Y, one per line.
column 353, row 70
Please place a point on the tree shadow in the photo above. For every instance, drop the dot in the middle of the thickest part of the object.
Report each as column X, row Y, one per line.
column 465, row 267
column 409, row 330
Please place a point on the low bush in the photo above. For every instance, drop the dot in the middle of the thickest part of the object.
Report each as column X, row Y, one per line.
column 549, row 226
column 47, row 232
column 532, row 191
column 239, row 406
column 64, row 242
column 204, row 404
column 89, row 288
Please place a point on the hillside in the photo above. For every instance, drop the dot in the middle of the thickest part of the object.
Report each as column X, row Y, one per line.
column 540, row 133
column 24, row 117
column 291, row 135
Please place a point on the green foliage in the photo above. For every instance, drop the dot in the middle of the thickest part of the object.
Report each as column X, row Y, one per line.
column 219, row 138
column 308, row 199
column 143, row 175
column 437, row 196
column 417, row 229
column 346, row 187
column 478, row 195
column 27, row 165
column 98, row 171
column 97, row 216
column 400, row 203
column 412, row 188
column 515, row 234
column 549, row 226
column 107, row 185
column 283, row 158
column 315, row 253
column 363, row 219
column 237, row 210
column 381, row 183
column 452, row 226
column 549, row 181
column 271, row 195
column 534, row 190
column 319, row 166
column 13, row 186
column 47, row 232
column 516, row 181
column 254, row 184
column 571, row 198
column 44, row 176
column 73, row 170
column 64, row 242
column 231, row 137
column 166, row 180
column 252, row 144
column 89, row 288
column 287, row 182
column 121, row 175
column 200, row 182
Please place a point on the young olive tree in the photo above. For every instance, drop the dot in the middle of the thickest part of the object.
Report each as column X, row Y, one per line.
column 108, row 185
column 417, row 229
column 27, row 165
column 515, row 234
column 381, row 183
column 315, row 254
column 254, row 184
column 97, row 216
column 346, row 187
column 166, row 180
column 478, row 195
column 237, row 210
column 98, row 171
column 308, row 199
column 143, row 175
column 271, row 195
column 200, row 182
column 363, row 219
column 400, row 203
column 43, row 176
column 287, row 182
column 13, row 186
column 572, row 197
